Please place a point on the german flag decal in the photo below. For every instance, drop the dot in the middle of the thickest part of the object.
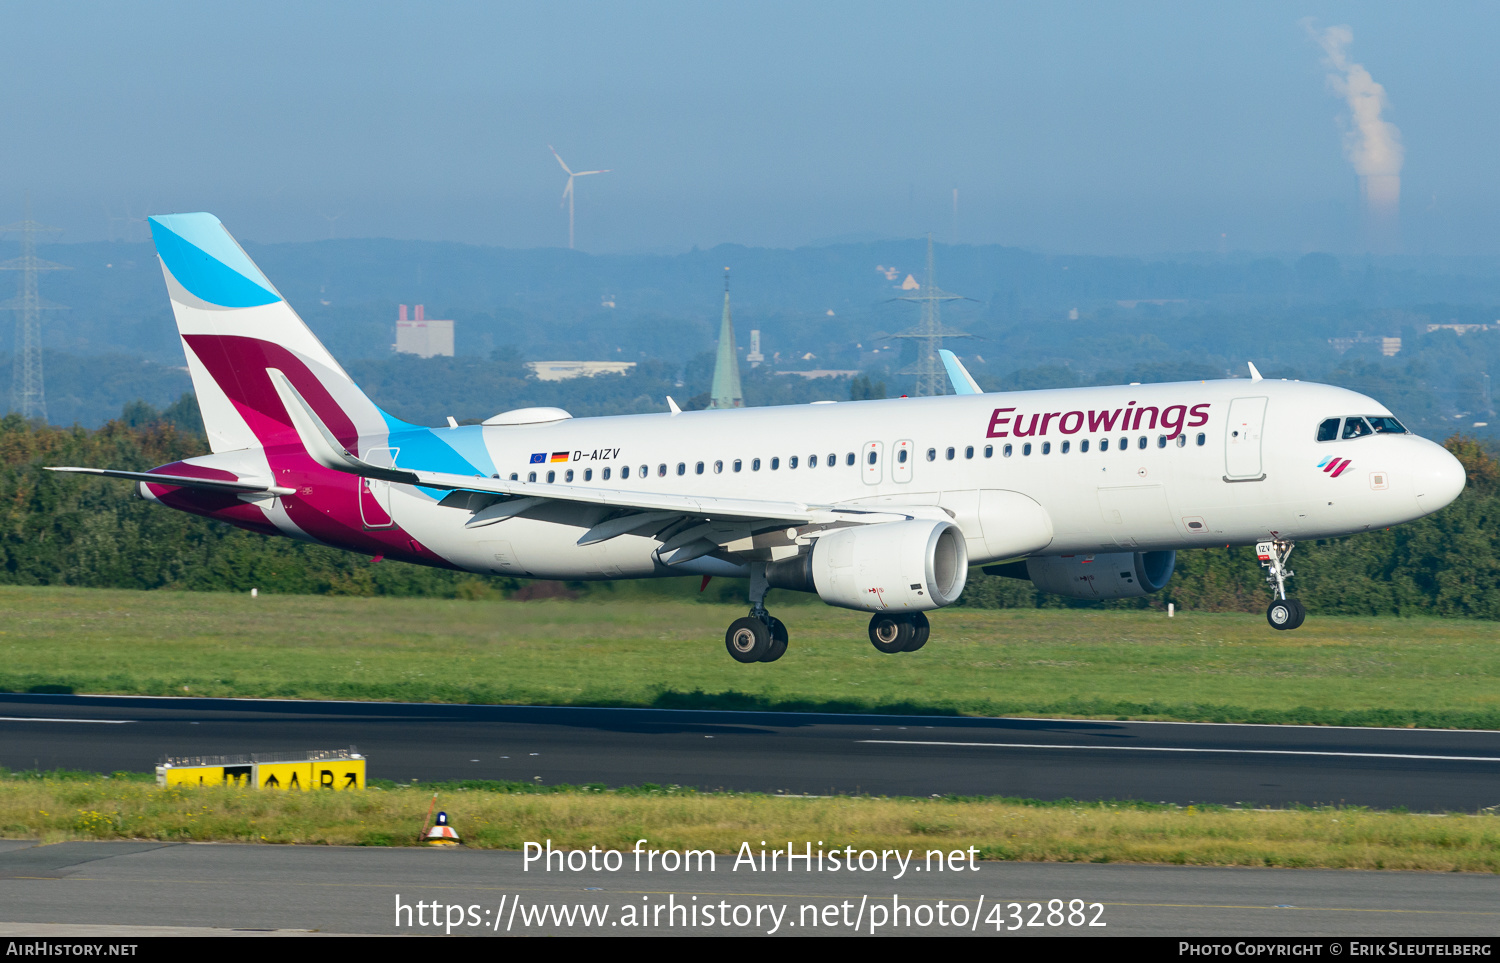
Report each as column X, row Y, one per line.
column 558, row 456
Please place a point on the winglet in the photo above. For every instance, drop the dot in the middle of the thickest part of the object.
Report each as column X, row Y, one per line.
column 320, row 443
column 1254, row 375
column 963, row 382
column 673, row 405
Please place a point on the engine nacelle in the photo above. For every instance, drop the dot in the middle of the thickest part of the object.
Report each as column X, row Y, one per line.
column 1118, row 575
column 909, row 566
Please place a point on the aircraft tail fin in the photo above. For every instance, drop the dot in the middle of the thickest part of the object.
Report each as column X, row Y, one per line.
column 235, row 327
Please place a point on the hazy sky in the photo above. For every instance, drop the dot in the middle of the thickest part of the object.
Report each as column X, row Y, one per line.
column 1082, row 127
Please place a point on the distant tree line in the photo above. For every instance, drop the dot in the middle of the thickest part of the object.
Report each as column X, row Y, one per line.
column 87, row 531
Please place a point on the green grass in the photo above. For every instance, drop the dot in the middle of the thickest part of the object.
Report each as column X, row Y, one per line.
column 640, row 651
column 54, row 807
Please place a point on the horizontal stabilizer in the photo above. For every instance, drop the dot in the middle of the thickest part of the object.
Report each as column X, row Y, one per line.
column 185, row 481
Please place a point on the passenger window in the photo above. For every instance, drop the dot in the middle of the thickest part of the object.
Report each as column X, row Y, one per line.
column 950, row 454
column 531, row 476
column 698, row 468
column 1104, row 444
column 737, row 464
column 969, row 452
column 1124, row 444
column 661, row 470
column 989, row 451
column 849, row 459
column 605, row 476
column 1008, row 450
column 775, row 463
column 833, row 460
column 644, row 471
column 1202, row 439
column 1083, row 446
column 791, row 462
column 718, row 468
column 1142, row 442
column 1182, row 441
column 755, row 464
column 682, row 468
column 1161, row 441
column 901, row 457
column 1046, row 447
column 513, row 476
column 1329, row 430
column 931, row 454
column 870, row 458
column 588, row 474
column 1026, row 448
column 812, row 461
column 551, row 477
column 1065, row 446
column 1356, row 428
column 625, row 471
column 568, row 476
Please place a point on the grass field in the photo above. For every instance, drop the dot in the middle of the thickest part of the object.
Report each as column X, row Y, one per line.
column 500, row 816
column 644, row 651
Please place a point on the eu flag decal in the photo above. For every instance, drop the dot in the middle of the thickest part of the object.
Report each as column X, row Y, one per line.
column 540, row 458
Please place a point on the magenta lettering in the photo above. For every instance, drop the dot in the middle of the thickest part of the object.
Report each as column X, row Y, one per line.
column 1028, row 431
column 1174, row 422
column 1139, row 412
column 1062, row 425
column 1200, row 417
column 996, row 421
column 1103, row 419
column 1047, row 418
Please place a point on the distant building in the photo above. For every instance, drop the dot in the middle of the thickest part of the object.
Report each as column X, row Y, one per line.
column 726, row 389
column 1389, row 347
column 1462, row 328
column 423, row 336
column 755, row 357
column 565, row 370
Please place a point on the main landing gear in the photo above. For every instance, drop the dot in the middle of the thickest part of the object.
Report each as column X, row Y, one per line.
column 759, row 636
column 899, row 632
column 1283, row 613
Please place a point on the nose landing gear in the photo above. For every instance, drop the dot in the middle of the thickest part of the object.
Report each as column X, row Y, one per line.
column 1283, row 613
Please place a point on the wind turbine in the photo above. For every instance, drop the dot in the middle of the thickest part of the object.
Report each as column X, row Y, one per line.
column 567, row 194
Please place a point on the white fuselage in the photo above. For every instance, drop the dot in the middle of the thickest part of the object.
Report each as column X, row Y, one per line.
column 1236, row 462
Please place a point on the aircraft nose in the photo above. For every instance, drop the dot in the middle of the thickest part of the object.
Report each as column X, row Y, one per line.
column 1439, row 478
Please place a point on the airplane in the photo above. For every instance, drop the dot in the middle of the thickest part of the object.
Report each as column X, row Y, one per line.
column 877, row 506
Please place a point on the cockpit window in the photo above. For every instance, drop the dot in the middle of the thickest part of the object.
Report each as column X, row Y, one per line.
column 1356, row 428
column 1329, row 430
column 1386, row 425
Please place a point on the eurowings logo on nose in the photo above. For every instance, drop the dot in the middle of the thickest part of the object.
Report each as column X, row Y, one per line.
column 1333, row 467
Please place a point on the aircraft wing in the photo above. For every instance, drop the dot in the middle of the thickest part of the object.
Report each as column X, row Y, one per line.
column 185, row 481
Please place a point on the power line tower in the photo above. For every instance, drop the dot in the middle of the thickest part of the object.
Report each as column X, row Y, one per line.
column 931, row 376
column 26, row 394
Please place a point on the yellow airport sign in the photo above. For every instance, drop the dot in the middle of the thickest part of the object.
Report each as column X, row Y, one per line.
column 337, row 769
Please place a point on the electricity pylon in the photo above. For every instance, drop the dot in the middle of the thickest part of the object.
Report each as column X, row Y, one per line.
column 27, row 396
column 931, row 376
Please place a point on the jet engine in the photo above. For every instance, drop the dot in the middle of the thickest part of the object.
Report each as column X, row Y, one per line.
column 910, row 566
column 1118, row 575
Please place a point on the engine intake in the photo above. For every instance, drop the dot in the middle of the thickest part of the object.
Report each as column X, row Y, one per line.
column 1119, row 575
column 913, row 566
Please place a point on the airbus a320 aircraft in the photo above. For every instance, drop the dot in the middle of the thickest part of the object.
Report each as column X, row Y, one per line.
column 880, row 506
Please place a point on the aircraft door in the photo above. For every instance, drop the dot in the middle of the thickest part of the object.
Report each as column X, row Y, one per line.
column 374, row 493
column 870, row 468
column 903, row 453
column 1242, row 461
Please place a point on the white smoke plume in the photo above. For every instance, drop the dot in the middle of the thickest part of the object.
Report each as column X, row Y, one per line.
column 1372, row 144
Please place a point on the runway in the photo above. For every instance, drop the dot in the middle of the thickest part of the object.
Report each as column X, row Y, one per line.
column 1421, row 769
column 201, row 889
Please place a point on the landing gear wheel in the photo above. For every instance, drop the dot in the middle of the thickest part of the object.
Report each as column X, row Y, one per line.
column 1285, row 614
column 778, row 641
column 920, row 629
column 890, row 633
column 748, row 639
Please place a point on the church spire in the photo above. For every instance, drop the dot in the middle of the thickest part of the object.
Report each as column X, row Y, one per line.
column 726, row 391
